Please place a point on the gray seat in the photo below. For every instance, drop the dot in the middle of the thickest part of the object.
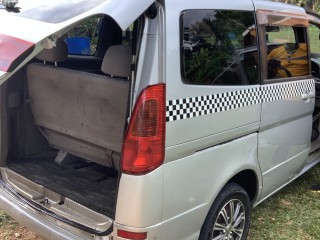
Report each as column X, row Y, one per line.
column 82, row 113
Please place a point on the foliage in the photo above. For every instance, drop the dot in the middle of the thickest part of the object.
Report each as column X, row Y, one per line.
column 204, row 66
column 313, row 5
column 4, row 219
column 214, row 42
column 87, row 28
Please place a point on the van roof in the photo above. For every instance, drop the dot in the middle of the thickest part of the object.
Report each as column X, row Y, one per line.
column 270, row 5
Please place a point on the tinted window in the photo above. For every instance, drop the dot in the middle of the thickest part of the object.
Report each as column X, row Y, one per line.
column 314, row 36
column 287, row 52
column 83, row 39
column 219, row 47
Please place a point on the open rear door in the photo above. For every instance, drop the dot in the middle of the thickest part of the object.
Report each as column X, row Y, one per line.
column 33, row 25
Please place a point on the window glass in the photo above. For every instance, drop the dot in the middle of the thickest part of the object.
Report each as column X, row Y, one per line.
column 314, row 35
column 219, row 47
column 287, row 52
column 127, row 36
column 83, row 39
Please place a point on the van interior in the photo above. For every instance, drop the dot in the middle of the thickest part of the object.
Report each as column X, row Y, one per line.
column 64, row 127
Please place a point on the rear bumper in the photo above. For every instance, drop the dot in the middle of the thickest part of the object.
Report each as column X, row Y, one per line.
column 40, row 223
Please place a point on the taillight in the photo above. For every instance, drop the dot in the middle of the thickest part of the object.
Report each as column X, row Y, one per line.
column 143, row 148
column 132, row 235
column 13, row 51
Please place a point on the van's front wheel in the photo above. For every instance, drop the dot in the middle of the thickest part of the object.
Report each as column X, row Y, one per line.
column 229, row 216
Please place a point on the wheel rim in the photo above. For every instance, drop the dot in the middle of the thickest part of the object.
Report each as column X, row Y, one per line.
column 230, row 221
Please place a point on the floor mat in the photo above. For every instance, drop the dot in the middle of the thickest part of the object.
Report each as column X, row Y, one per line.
column 89, row 184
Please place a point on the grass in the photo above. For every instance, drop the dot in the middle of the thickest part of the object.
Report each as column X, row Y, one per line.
column 7, row 226
column 11, row 230
column 4, row 219
column 293, row 213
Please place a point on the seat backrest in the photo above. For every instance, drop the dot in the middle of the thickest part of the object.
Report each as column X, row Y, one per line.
column 56, row 54
column 117, row 61
column 81, row 113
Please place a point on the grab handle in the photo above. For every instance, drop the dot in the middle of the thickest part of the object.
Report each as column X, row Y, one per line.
column 308, row 95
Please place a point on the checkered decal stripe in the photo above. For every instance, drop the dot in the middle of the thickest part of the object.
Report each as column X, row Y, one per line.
column 179, row 109
column 276, row 92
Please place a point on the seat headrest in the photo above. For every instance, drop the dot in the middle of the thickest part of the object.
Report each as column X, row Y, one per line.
column 58, row 53
column 117, row 61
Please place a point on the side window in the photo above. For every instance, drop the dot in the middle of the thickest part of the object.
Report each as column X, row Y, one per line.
column 83, row 39
column 127, row 36
column 314, row 39
column 287, row 51
column 314, row 36
column 218, row 47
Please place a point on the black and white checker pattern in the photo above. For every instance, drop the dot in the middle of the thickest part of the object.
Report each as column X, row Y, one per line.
column 179, row 109
column 203, row 105
column 276, row 92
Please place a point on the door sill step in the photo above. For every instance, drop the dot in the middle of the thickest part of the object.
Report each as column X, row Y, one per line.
column 56, row 203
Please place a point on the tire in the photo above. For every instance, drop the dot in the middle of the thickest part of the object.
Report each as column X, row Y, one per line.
column 217, row 225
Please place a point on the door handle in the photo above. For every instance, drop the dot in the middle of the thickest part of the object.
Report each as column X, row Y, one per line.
column 308, row 95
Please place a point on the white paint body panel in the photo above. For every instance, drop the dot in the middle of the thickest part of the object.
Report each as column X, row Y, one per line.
column 20, row 28
column 140, row 199
column 179, row 194
column 200, row 170
column 284, row 139
column 123, row 12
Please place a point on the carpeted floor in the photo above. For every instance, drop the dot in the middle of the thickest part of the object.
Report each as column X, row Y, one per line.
column 89, row 184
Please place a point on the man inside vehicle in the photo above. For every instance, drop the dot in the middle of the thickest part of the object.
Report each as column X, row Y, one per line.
column 288, row 60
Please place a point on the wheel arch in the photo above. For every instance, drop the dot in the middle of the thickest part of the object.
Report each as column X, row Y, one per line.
column 249, row 181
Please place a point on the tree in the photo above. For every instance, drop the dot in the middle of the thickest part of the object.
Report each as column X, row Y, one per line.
column 313, row 5
column 87, row 28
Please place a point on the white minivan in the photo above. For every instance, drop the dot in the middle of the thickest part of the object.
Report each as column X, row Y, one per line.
column 153, row 119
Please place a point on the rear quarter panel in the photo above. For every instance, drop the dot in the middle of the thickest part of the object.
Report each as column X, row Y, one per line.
column 192, row 183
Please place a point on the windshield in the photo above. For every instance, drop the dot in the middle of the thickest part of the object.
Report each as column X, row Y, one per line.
column 51, row 11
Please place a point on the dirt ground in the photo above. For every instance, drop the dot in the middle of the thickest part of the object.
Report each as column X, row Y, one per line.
column 14, row 231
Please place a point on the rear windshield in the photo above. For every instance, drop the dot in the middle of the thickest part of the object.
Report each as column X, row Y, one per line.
column 51, row 11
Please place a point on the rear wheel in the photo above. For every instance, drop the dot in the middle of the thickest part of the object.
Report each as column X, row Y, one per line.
column 229, row 216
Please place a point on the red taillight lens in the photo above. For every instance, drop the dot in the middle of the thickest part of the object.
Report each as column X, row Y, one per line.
column 132, row 235
column 143, row 148
column 12, row 52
